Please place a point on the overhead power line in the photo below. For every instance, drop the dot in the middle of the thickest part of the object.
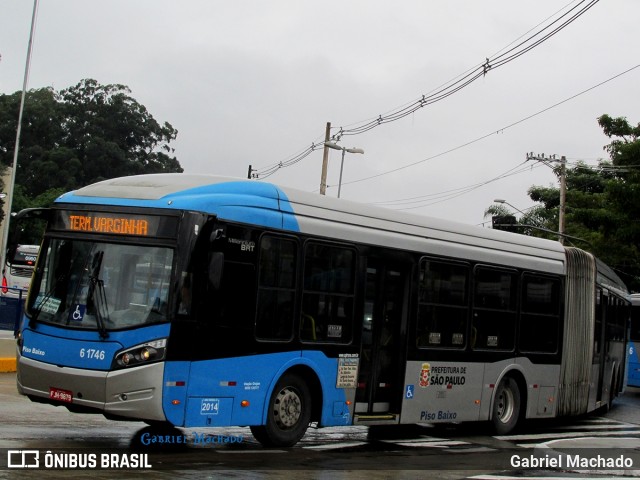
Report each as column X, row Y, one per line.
column 478, row 72
column 270, row 170
column 494, row 132
column 439, row 197
column 449, row 88
column 463, row 190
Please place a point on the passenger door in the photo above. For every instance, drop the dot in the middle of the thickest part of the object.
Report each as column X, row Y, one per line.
column 383, row 356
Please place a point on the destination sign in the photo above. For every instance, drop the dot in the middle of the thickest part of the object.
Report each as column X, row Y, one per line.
column 115, row 223
column 103, row 224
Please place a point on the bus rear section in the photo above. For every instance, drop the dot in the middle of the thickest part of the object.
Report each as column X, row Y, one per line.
column 633, row 355
column 18, row 269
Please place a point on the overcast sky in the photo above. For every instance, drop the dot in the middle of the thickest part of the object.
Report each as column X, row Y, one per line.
column 256, row 81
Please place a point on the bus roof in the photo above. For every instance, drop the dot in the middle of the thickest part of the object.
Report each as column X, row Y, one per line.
column 266, row 204
column 607, row 277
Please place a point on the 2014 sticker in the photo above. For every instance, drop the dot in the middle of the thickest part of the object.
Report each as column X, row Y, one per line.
column 210, row 406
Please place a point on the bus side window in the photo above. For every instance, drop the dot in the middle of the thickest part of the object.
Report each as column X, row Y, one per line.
column 540, row 314
column 494, row 308
column 443, row 305
column 327, row 302
column 276, row 288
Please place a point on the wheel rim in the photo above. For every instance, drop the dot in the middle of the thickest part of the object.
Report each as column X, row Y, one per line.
column 505, row 405
column 287, row 408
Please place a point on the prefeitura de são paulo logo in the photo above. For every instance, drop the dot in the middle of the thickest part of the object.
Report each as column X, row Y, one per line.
column 424, row 375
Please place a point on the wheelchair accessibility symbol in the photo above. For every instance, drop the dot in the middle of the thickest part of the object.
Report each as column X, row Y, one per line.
column 76, row 314
column 409, row 393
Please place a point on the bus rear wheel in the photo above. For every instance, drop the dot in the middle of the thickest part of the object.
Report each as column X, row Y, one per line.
column 506, row 406
column 288, row 416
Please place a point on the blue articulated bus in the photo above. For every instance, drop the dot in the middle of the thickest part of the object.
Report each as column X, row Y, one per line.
column 199, row 301
column 633, row 367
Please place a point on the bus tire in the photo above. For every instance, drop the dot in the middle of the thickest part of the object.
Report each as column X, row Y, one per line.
column 288, row 415
column 506, row 406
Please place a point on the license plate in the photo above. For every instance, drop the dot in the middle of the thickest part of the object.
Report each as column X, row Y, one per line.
column 61, row 395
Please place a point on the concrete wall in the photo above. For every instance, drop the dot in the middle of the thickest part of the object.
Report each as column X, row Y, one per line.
column 7, row 351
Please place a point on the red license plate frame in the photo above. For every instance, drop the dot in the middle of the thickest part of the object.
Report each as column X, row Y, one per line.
column 61, row 395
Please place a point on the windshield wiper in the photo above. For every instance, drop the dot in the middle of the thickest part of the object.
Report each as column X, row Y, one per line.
column 99, row 304
column 101, row 299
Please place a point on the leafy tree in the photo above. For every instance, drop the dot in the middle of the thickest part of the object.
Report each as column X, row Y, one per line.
column 80, row 135
column 587, row 216
column 602, row 204
column 532, row 222
column 624, row 196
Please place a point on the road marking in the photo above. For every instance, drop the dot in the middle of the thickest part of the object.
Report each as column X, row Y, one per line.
column 336, row 446
column 415, row 440
column 619, row 428
column 249, row 451
column 429, row 443
column 568, row 434
column 600, row 426
column 525, row 477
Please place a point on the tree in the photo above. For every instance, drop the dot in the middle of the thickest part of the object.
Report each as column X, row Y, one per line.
column 80, row 135
column 624, row 195
column 587, row 216
column 602, row 203
column 532, row 222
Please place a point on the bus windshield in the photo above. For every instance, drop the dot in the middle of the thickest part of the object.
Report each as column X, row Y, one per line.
column 103, row 286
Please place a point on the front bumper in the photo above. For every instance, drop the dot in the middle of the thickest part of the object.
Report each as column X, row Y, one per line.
column 134, row 393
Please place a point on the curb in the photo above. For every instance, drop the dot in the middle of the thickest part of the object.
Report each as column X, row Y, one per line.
column 7, row 365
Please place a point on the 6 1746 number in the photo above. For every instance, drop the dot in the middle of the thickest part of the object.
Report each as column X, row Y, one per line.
column 92, row 353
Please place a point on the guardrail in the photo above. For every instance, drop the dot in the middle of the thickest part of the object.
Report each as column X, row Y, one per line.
column 11, row 310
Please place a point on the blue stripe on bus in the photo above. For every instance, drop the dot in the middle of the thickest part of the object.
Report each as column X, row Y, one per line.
column 209, row 393
column 257, row 203
column 84, row 348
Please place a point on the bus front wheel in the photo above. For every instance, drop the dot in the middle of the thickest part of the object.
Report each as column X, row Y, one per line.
column 506, row 406
column 289, row 413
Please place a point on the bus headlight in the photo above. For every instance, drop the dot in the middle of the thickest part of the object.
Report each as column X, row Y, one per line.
column 141, row 354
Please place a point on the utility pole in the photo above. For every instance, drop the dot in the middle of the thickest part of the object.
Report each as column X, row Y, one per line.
column 325, row 161
column 335, row 146
column 563, row 187
column 11, row 186
column 563, row 197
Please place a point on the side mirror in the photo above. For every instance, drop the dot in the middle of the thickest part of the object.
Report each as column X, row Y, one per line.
column 216, row 267
column 216, row 235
